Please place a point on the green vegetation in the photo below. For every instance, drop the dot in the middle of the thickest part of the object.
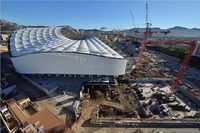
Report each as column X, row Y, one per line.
column 35, row 106
column 173, row 51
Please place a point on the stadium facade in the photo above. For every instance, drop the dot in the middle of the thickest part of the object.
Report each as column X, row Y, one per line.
column 48, row 51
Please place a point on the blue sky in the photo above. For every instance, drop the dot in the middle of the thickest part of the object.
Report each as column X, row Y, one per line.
column 111, row 14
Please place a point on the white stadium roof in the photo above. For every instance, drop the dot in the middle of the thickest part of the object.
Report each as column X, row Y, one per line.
column 43, row 40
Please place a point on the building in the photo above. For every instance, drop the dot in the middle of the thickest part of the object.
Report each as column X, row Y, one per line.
column 17, row 112
column 45, row 121
column 15, row 116
column 48, row 51
column 4, row 38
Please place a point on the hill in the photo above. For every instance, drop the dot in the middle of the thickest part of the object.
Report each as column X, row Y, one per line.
column 7, row 27
column 176, row 31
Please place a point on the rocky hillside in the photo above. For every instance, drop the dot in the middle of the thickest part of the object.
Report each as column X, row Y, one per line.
column 7, row 27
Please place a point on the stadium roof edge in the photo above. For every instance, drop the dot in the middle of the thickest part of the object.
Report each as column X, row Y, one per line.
column 49, row 39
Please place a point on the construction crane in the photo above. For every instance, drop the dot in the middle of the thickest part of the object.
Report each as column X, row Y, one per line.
column 136, row 29
column 191, row 44
column 148, row 31
column 165, row 32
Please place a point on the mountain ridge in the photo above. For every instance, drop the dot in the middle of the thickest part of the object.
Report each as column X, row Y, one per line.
column 176, row 31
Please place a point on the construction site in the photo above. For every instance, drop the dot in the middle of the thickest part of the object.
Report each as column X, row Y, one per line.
column 159, row 90
column 156, row 91
column 150, row 97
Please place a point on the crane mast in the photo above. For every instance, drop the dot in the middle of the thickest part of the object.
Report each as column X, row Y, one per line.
column 148, row 24
column 136, row 30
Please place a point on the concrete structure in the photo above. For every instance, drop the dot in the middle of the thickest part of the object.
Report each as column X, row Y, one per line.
column 45, row 122
column 197, row 50
column 4, row 38
column 16, row 110
column 47, row 51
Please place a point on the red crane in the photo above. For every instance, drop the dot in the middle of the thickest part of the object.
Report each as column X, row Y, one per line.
column 191, row 44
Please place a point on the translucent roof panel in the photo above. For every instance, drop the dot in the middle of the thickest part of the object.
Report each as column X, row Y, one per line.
column 37, row 40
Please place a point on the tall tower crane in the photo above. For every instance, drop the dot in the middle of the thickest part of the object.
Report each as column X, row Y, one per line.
column 136, row 29
column 148, row 31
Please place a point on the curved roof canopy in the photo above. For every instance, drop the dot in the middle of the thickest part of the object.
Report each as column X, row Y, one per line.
column 44, row 40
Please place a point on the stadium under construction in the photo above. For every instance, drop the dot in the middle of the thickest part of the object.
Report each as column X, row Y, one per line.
column 111, row 79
